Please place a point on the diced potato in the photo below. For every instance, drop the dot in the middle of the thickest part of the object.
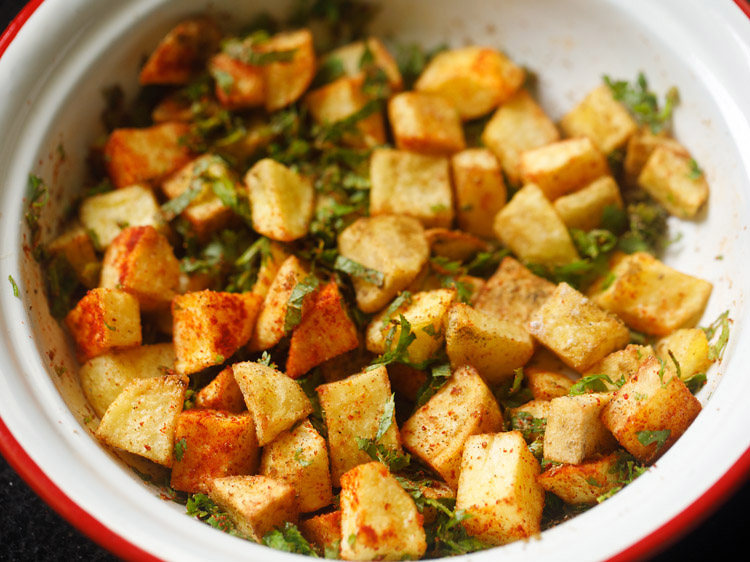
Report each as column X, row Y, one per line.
column 379, row 520
column 255, row 504
column 651, row 411
column 238, row 85
column 391, row 244
column 517, row 126
column 574, row 431
column 563, row 167
column 105, row 214
column 640, row 147
column 425, row 123
column 620, row 365
column 576, row 329
column 480, row 190
column 455, row 245
column 212, row 444
column 287, row 81
column 177, row 107
column 531, row 228
column 689, row 347
column 584, row 208
column 546, row 385
column 299, row 457
column 76, row 246
column 269, row 268
column 210, row 326
column 498, row 488
column 281, row 201
column 353, row 408
column 104, row 320
column 406, row 380
column 474, row 79
column 494, row 347
column 182, row 52
column 411, row 184
column 142, row 418
column 323, row 531
column 522, row 418
column 275, row 400
column 146, row 156
column 583, row 483
column 222, row 393
column 601, row 118
column 103, row 377
column 437, row 431
column 675, row 181
column 350, row 58
column 653, row 298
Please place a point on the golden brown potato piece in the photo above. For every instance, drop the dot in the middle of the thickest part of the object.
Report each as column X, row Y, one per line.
column 690, row 349
column 323, row 531
column 238, row 85
column 583, row 483
column 287, row 81
column 640, row 147
column 455, row 245
column 545, row 384
column 620, row 365
column 350, row 57
column 425, row 123
column 76, row 246
column 269, row 268
column 222, row 393
column 584, row 208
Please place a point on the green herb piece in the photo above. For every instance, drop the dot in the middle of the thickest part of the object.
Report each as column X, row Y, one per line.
column 696, row 382
column 676, row 364
column 219, row 359
column 296, row 300
column 352, row 539
column 175, row 206
column 716, row 350
column 398, row 302
column 189, row 395
column 449, row 537
column 512, row 394
column 591, row 383
column 626, row 469
column 346, row 265
column 659, row 437
column 642, row 103
column 662, row 370
column 394, row 460
column 302, row 461
column 648, row 229
column 486, row 263
column 334, row 132
column 438, row 377
column 289, row 539
column 38, row 197
column 60, row 370
column 110, row 328
column 246, row 51
column 203, row 508
column 224, row 80
column 529, row 426
column 593, row 243
column 14, row 286
column 179, row 449
column 695, row 171
column 330, row 69
column 400, row 353
column 309, row 383
column 412, row 59
column 265, row 359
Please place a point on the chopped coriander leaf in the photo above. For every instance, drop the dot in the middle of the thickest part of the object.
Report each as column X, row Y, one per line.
column 296, row 300
column 298, row 456
column 62, row 286
column 642, row 103
column 695, row 170
column 696, row 382
column 14, row 286
column 659, row 437
column 676, row 364
column 593, row 243
column 512, row 394
column 486, row 263
column 38, row 197
column 390, row 457
column 648, row 228
column 309, row 383
column 179, row 449
column 412, row 59
column 527, row 424
column 591, row 383
column 245, row 51
column 716, row 350
column 438, row 377
column 203, row 508
column 398, row 302
column 330, row 69
column 289, row 539
column 224, row 80
column 332, row 551
column 346, row 265
column 400, row 353
column 386, row 420
column 175, row 206
column 265, row 359
column 335, row 132
column 448, row 537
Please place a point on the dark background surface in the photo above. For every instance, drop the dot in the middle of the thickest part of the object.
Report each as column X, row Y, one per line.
column 31, row 531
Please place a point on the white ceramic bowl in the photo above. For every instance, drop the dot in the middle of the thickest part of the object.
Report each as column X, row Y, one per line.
column 51, row 74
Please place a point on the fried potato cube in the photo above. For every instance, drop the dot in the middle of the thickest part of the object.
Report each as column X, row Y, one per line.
column 498, row 488
column 582, row 484
column 650, row 411
column 222, row 393
column 281, row 200
column 182, row 53
column 140, row 261
column 212, row 444
column 269, row 328
column 255, row 504
column 325, row 331
column 437, row 431
column 104, row 377
column 417, row 185
column 480, row 190
column 531, row 228
column 545, row 384
column 299, row 457
column 349, row 57
column 563, row 167
column 620, row 365
column 523, row 419
column 574, row 431
column 425, row 313
column 425, row 123
column 353, row 408
column 104, row 320
column 455, row 245
column 105, row 214
column 640, row 147
column 210, row 326
column 584, row 208
column 474, row 79
column 238, row 85
column 286, row 81
column 142, row 419
column 76, row 247
column 379, row 516
column 653, row 298
column 576, row 329
column 343, row 98
column 146, row 156
column 269, row 267
column 690, row 349
column 601, row 118
column 675, row 181
column 323, row 531
column 391, row 244
column 494, row 347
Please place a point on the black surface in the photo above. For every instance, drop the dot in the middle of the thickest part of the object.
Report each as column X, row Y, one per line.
column 31, row 531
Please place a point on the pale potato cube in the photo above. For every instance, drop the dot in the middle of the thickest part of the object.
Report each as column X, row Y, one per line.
column 210, row 326
column 498, row 488
column 411, row 184
column 653, row 298
column 353, row 408
column 620, row 365
column 275, row 400
column 76, row 247
column 238, row 85
column 287, row 81
column 269, row 268
column 517, row 126
column 323, row 531
column 391, row 244
column 299, row 457
column 545, row 384
column 142, row 418
column 651, row 411
column 103, row 377
column 222, row 393
column 379, row 520
column 480, row 190
column 437, row 431
column 576, row 329
column 425, row 123
column 583, row 483
column 456, row 245
column 474, row 79
column 640, row 147
column 675, row 181
column 350, row 58
column 104, row 320
column 690, row 349
column 494, row 347
column 530, row 419
column 562, row 167
column 584, row 208
column 601, row 118
column 531, row 228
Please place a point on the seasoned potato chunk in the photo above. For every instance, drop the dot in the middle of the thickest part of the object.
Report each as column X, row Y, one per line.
column 640, row 147
column 584, row 208
column 582, row 483
column 620, row 365
column 222, row 393
column 238, row 85
column 286, row 81
column 379, row 515
column 323, row 531
column 690, row 349
column 350, row 57
column 576, row 329
column 545, row 384
column 425, row 123
column 498, row 488
column 142, row 418
column 270, row 265
column 456, row 245
column 76, row 247
column 480, row 190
